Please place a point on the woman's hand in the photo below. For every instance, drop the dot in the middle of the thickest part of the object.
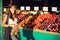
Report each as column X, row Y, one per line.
column 12, row 25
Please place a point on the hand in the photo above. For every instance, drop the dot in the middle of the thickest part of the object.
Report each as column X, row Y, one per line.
column 12, row 25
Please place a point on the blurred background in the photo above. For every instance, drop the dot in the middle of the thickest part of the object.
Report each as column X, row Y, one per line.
column 32, row 3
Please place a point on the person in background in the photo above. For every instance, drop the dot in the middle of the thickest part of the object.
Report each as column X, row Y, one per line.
column 21, row 16
column 17, row 13
column 27, row 29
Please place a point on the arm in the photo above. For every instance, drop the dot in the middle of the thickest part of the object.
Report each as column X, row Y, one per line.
column 4, row 22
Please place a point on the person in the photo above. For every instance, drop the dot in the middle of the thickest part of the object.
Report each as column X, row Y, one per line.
column 9, row 21
column 28, row 29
